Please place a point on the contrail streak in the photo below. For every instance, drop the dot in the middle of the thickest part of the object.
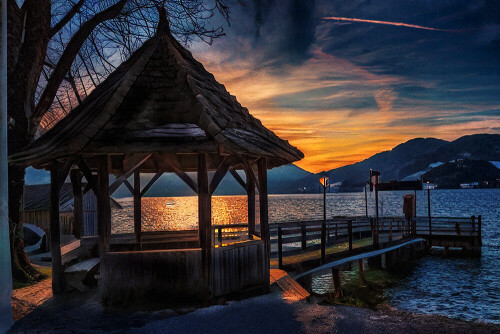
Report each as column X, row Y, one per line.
column 400, row 24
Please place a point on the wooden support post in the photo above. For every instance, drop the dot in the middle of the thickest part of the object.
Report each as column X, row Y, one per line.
column 303, row 231
column 103, row 205
column 76, row 182
column 366, row 203
column 323, row 242
column 479, row 230
column 280, row 248
column 55, row 236
column 204, row 219
column 337, row 283
column 361, row 270
column 473, row 220
column 219, row 235
column 390, row 230
column 349, row 229
column 251, row 205
column 137, row 206
column 429, row 209
column 263, row 201
column 204, row 203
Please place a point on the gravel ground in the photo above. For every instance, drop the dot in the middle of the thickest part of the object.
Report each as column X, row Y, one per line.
column 83, row 313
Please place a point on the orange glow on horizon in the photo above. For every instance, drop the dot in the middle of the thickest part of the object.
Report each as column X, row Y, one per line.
column 332, row 135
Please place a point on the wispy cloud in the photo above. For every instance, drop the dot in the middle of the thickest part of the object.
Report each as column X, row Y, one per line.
column 399, row 24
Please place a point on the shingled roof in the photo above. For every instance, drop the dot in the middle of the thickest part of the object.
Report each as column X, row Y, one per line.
column 160, row 100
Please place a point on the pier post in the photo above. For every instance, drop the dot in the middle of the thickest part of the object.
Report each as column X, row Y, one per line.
column 280, row 248
column 429, row 209
column 337, row 283
column 479, row 230
column 303, row 237
column 323, row 241
column 349, row 229
column 361, row 270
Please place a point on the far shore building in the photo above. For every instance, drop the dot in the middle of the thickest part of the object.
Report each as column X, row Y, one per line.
column 161, row 111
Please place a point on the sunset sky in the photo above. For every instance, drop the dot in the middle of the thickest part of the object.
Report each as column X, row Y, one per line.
column 342, row 80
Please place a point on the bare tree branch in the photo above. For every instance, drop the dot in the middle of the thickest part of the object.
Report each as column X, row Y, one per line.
column 66, row 61
column 72, row 12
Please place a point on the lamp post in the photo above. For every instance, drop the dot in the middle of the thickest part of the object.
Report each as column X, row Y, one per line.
column 324, row 182
column 429, row 207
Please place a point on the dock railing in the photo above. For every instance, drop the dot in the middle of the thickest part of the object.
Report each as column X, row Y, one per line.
column 291, row 238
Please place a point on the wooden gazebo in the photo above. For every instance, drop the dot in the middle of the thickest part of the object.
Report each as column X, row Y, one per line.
column 161, row 111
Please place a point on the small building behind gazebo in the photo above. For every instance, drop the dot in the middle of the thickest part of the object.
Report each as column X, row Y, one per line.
column 161, row 111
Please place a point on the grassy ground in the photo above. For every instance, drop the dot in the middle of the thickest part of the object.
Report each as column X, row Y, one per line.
column 368, row 293
column 44, row 271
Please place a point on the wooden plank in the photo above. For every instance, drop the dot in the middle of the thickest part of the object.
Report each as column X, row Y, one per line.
column 264, row 207
column 183, row 176
column 130, row 165
column 76, row 182
column 91, row 180
column 152, row 181
column 129, row 187
column 103, row 205
column 238, row 178
column 137, row 206
column 55, row 235
column 204, row 218
column 251, row 206
column 219, row 174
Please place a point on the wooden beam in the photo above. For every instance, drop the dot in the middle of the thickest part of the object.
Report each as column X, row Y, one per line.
column 250, row 173
column 91, row 180
column 219, row 174
column 204, row 203
column 205, row 220
column 152, row 181
column 63, row 173
column 129, row 187
column 55, row 234
column 130, row 165
column 264, row 207
column 238, row 178
column 183, row 176
column 251, row 206
column 76, row 182
column 137, row 206
column 103, row 205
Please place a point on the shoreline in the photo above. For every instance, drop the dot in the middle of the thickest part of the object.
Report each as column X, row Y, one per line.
column 264, row 314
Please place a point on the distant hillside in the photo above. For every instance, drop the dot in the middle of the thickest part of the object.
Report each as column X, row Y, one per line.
column 405, row 161
column 452, row 174
column 416, row 155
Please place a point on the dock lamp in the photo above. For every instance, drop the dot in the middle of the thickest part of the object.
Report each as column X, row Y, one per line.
column 325, row 183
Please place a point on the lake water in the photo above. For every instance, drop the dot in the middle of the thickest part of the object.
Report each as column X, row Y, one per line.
column 461, row 288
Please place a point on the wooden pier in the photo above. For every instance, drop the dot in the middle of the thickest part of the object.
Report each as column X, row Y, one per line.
column 299, row 246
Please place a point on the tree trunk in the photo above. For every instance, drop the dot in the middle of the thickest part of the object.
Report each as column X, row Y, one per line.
column 25, row 61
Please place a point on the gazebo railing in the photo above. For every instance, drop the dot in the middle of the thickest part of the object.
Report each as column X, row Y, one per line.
column 227, row 234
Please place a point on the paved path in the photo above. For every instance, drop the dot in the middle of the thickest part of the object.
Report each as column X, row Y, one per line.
column 25, row 300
